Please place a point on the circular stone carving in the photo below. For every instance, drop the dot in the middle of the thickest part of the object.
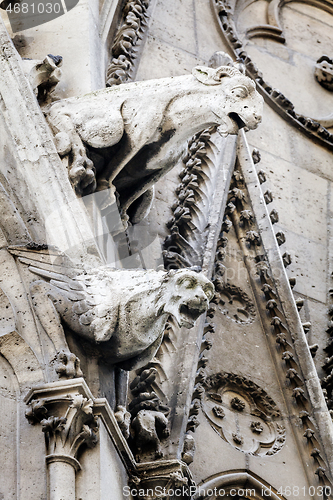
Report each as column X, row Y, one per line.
column 235, row 303
column 246, row 417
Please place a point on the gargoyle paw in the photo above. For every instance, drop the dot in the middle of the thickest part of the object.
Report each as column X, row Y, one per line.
column 82, row 174
column 67, row 365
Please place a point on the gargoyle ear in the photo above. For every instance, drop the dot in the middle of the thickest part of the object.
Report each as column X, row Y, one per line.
column 205, row 75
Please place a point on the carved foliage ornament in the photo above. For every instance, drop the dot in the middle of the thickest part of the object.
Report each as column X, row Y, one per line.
column 243, row 414
column 123, row 51
column 67, row 424
column 324, row 72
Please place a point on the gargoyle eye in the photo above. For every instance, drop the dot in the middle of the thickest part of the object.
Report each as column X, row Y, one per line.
column 209, row 291
column 240, row 92
column 186, row 282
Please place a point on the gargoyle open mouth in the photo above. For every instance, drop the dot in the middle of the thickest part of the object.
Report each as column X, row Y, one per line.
column 237, row 119
column 188, row 315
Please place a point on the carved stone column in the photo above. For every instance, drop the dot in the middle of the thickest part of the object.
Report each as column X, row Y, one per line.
column 65, row 411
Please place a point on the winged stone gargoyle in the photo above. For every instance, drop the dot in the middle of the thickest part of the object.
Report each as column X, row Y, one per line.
column 122, row 312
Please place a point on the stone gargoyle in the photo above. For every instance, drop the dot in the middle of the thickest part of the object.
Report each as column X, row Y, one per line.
column 124, row 312
column 127, row 137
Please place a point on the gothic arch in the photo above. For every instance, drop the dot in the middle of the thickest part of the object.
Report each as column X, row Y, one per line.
column 241, row 481
column 226, row 14
column 22, row 359
column 274, row 10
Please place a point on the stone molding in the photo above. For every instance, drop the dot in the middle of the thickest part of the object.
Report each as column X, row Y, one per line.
column 240, row 480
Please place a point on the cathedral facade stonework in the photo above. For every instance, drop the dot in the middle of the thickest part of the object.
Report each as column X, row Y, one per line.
column 165, row 259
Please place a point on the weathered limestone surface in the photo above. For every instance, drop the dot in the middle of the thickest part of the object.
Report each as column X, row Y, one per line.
column 240, row 386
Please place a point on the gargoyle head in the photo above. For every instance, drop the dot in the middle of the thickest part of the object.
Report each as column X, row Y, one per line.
column 185, row 295
column 237, row 104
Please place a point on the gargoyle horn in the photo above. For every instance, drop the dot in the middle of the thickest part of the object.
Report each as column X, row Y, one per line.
column 223, row 71
column 210, row 76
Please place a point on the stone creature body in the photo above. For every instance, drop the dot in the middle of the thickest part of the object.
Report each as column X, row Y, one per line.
column 149, row 427
column 137, row 132
column 124, row 311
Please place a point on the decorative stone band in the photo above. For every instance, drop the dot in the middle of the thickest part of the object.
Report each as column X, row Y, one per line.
column 65, row 459
column 123, row 51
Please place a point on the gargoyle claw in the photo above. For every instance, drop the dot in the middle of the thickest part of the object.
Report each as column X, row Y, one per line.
column 123, row 418
column 82, row 175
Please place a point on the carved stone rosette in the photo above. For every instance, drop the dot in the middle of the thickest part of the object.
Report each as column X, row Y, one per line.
column 243, row 414
column 65, row 412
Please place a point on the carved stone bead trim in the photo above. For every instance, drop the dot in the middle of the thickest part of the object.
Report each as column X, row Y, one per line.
column 274, row 216
column 283, row 106
column 274, row 316
column 181, row 247
column 123, row 51
column 198, row 391
column 327, row 381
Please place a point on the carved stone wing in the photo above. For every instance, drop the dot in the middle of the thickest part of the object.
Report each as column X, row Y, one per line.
column 82, row 300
